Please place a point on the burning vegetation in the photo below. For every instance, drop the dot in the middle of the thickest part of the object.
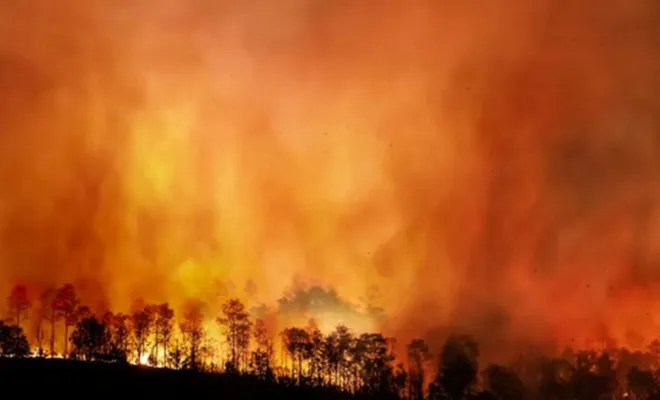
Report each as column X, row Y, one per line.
column 419, row 169
column 354, row 364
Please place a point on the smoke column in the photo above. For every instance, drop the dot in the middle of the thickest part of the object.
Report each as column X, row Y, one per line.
column 475, row 165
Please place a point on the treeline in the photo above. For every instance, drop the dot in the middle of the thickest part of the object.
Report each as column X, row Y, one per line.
column 362, row 365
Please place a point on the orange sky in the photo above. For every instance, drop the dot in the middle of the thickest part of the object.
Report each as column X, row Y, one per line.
column 490, row 167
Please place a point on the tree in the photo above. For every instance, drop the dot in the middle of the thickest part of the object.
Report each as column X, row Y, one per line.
column 243, row 343
column 121, row 333
column 118, row 327
column 65, row 305
column 142, row 324
column 262, row 357
column 372, row 356
column 193, row 332
column 336, row 355
column 400, row 381
column 641, row 384
column 296, row 342
column 37, row 322
column 50, row 314
column 595, row 376
column 332, row 358
column 161, row 316
column 237, row 325
column 163, row 325
column 458, row 366
column 90, row 339
column 654, row 350
column 315, row 352
column 19, row 303
column 80, row 313
column 175, row 354
column 418, row 356
column 504, row 383
column 13, row 342
column 556, row 378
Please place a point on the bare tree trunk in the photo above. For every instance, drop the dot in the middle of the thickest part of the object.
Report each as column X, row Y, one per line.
column 52, row 337
column 157, row 344
column 334, row 375
column 39, row 339
column 66, row 339
column 165, row 353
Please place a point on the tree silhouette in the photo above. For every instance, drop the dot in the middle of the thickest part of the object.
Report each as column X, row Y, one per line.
column 50, row 314
column 373, row 358
column 37, row 322
column 161, row 317
column 237, row 325
column 555, row 378
column 13, row 342
column 65, row 304
column 595, row 376
column 458, row 366
column 80, row 313
column 119, row 329
column 337, row 355
column 19, row 303
column 153, row 342
column 339, row 365
column 418, row 356
column 141, row 322
column 400, row 382
column 244, row 333
column 315, row 353
column 176, row 354
column 90, row 339
column 163, row 328
column 626, row 360
column 333, row 357
column 262, row 357
column 193, row 333
column 504, row 383
column 641, row 384
column 296, row 342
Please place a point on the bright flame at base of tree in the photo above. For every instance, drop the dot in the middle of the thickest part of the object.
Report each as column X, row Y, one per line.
column 144, row 360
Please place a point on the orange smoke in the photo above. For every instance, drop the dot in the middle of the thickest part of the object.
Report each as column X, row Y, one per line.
column 468, row 165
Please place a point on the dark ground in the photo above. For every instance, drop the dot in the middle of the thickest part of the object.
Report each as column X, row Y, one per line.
column 82, row 380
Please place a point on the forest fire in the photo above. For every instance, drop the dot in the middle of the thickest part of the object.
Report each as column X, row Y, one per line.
column 415, row 169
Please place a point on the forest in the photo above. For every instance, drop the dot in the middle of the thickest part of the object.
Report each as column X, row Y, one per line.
column 153, row 349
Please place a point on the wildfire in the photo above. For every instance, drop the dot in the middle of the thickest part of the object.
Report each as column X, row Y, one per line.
column 455, row 165
column 35, row 353
column 144, row 360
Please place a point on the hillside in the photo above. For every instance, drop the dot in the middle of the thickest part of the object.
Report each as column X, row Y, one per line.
column 78, row 379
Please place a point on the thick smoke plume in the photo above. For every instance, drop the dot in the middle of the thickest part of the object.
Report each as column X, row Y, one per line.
column 475, row 165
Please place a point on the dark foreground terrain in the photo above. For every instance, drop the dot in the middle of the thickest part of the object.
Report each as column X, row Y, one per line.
column 83, row 380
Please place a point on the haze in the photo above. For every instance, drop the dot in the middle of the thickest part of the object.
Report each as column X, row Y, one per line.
column 486, row 166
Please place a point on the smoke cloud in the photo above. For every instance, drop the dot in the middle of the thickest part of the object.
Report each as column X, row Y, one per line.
column 475, row 165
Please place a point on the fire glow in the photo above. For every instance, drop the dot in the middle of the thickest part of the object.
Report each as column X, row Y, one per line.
column 454, row 165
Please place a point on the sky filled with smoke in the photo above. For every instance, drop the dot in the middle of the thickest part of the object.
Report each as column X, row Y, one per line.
column 487, row 166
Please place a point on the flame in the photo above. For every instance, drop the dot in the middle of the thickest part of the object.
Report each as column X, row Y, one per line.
column 144, row 360
column 474, row 166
